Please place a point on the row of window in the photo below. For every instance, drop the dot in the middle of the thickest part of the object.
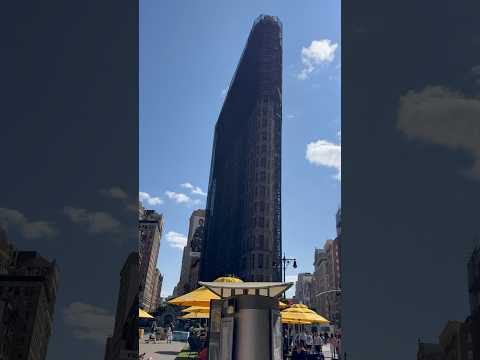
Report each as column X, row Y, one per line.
column 17, row 290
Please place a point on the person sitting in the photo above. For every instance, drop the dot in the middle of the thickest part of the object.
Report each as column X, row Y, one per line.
column 194, row 341
column 203, row 355
column 299, row 353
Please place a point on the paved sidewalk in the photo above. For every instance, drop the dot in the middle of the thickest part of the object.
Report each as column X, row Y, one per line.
column 162, row 350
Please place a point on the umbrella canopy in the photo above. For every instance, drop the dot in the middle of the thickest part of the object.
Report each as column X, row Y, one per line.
column 282, row 305
column 204, row 309
column 195, row 315
column 300, row 312
column 295, row 321
column 144, row 314
column 201, row 296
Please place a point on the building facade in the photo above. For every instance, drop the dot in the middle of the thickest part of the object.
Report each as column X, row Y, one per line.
column 159, row 290
column 473, row 321
column 192, row 254
column 320, row 282
column 5, row 252
column 28, row 293
column 151, row 229
column 333, row 280
column 243, row 216
column 454, row 341
column 303, row 289
column 121, row 342
column 429, row 351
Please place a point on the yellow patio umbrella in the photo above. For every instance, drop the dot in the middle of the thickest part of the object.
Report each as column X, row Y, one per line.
column 201, row 309
column 144, row 314
column 300, row 312
column 295, row 321
column 195, row 315
column 201, row 296
column 282, row 305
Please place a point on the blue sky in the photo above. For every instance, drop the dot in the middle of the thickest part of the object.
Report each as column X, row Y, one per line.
column 188, row 54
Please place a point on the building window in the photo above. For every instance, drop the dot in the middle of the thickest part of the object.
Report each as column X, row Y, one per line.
column 261, row 222
column 260, row 261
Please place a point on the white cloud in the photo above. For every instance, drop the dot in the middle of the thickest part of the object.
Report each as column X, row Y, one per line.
column 150, row 200
column 29, row 229
column 194, row 189
column 325, row 153
column 176, row 240
column 178, row 197
column 319, row 52
column 89, row 322
column 115, row 193
column 181, row 198
column 443, row 117
column 97, row 222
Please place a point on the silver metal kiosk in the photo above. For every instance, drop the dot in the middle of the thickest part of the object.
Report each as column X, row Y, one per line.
column 245, row 323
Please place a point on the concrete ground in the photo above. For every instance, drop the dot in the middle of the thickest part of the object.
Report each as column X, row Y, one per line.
column 161, row 350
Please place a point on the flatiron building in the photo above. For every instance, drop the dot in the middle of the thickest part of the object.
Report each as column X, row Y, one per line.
column 243, row 217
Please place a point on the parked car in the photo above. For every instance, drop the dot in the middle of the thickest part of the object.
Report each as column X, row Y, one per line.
column 180, row 336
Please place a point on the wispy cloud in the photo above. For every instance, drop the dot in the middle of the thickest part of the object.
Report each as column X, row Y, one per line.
column 28, row 229
column 114, row 193
column 88, row 322
column 149, row 199
column 181, row 198
column 97, row 222
column 319, row 52
column 325, row 153
column 194, row 189
column 224, row 92
column 176, row 240
column 444, row 117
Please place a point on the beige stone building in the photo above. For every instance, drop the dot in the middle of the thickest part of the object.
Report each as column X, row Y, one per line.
column 303, row 289
column 151, row 229
column 191, row 254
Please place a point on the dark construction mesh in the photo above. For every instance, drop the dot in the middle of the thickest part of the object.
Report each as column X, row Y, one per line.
column 243, row 215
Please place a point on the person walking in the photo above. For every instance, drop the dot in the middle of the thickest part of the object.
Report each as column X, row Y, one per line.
column 302, row 336
column 169, row 335
column 309, row 342
column 334, row 346
column 300, row 353
column 285, row 345
column 317, row 342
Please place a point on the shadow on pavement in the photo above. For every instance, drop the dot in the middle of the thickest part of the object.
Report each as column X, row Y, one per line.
column 167, row 352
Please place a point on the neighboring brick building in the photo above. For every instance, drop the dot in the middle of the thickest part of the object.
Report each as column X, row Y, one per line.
column 28, row 293
column 303, row 289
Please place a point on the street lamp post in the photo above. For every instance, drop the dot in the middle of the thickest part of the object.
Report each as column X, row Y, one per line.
column 284, row 263
column 329, row 291
column 338, row 291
